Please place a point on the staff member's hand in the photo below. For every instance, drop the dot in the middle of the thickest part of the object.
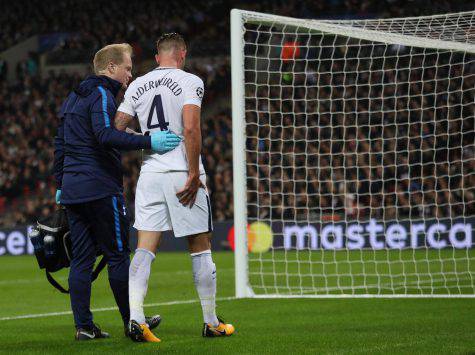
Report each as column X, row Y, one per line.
column 187, row 196
column 164, row 141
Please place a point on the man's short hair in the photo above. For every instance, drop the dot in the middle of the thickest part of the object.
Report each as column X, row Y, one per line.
column 170, row 41
column 112, row 53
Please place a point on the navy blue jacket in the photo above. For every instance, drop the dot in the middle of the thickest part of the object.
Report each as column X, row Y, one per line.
column 87, row 162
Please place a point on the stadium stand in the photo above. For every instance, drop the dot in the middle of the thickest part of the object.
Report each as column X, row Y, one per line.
column 368, row 161
column 28, row 107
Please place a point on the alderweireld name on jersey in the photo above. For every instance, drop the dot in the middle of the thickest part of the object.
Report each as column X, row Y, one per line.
column 167, row 82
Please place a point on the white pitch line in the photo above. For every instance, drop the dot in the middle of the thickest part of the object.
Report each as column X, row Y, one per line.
column 63, row 278
column 105, row 309
column 394, row 284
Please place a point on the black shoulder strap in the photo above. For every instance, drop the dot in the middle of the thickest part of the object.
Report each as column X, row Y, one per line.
column 55, row 283
column 99, row 268
column 94, row 276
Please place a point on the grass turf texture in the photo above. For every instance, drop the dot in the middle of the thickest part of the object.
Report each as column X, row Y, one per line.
column 390, row 271
column 338, row 326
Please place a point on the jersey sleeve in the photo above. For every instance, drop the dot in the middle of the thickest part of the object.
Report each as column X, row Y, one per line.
column 194, row 91
column 127, row 106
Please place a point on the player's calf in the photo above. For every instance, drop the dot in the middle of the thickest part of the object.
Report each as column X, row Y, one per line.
column 204, row 276
column 139, row 273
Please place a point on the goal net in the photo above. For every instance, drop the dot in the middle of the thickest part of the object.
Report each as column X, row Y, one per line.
column 354, row 156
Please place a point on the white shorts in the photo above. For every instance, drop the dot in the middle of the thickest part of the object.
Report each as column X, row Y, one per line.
column 157, row 207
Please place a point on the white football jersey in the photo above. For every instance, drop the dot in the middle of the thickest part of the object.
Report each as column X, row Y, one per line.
column 157, row 98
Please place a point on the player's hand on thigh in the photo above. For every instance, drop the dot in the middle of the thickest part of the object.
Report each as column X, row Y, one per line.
column 187, row 196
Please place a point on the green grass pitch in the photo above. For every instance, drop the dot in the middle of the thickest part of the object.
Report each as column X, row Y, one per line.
column 264, row 326
column 390, row 271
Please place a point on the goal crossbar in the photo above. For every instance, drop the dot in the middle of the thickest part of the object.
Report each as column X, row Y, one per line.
column 347, row 29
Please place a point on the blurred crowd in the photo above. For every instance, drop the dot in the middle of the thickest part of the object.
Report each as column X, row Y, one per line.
column 323, row 139
column 360, row 131
column 28, row 121
column 205, row 24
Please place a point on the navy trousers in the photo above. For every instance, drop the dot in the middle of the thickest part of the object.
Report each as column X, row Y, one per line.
column 98, row 225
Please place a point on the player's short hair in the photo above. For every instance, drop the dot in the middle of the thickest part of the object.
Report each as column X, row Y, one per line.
column 111, row 53
column 170, row 41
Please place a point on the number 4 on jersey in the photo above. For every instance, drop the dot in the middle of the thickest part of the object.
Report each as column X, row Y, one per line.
column 158, row 108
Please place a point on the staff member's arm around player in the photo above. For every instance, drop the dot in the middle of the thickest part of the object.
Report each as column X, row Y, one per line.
column 88, row 173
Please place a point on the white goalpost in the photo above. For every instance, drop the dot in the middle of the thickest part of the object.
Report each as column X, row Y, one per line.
column 353, row 156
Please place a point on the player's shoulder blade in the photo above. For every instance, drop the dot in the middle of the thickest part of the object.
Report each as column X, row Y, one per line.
column 191, row 77
column 133, row 84
column 145, row 77
column 142, row 80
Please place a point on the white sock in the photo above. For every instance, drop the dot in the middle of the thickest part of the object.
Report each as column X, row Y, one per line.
column 139, row 273
column 204, row 275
